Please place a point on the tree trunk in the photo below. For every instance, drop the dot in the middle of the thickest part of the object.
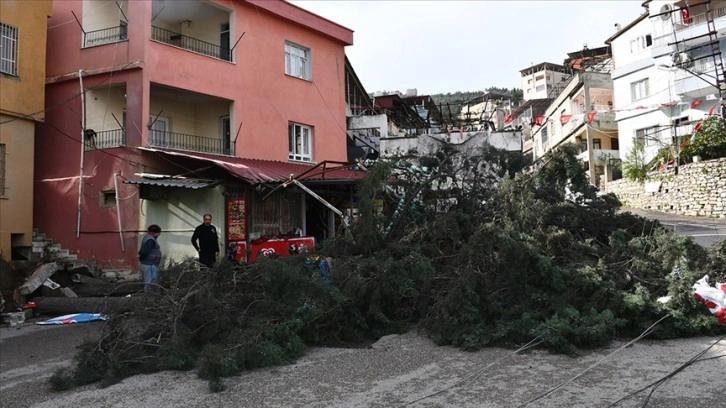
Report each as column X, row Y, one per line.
column 108, row 289
column 62, row 305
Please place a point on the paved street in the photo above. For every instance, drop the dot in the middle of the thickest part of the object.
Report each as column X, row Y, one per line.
column 706, row 231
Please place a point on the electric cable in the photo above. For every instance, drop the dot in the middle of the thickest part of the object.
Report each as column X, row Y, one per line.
column 628, row 344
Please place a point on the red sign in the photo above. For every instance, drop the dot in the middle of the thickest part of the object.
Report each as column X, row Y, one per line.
column 281, row 247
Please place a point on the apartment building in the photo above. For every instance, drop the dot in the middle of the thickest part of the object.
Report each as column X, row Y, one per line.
column 161, row 111
column 542, row 80
column 22, row 84
column 667, row 64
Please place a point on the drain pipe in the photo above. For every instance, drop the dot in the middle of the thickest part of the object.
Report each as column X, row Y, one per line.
column 118, row 212
column 83, row 151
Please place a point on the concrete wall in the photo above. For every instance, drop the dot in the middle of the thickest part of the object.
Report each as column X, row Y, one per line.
column 699, row 189
column 21, row 106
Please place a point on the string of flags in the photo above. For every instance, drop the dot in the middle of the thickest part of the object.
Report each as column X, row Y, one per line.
column 540, row 120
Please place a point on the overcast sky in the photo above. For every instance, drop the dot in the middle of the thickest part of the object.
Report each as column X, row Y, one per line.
column 448, row 46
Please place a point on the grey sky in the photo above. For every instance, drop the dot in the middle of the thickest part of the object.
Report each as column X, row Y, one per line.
column 449, row 46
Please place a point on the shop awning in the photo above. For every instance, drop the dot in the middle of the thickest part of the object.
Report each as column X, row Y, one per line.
column 192, row 183
column 255, row 171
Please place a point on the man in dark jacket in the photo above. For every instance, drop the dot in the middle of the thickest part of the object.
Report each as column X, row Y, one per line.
column 150, row 257
column 206, row 242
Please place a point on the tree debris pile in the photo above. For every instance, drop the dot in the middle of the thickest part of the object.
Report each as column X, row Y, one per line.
column 465, row 246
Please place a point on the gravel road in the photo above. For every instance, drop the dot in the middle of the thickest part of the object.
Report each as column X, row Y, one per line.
column 396, row 371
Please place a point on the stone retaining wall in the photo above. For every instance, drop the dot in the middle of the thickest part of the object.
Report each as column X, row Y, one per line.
column 699, row 189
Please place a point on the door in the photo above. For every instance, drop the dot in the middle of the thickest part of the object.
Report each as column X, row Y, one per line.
column 224, row 51
column 159, row 131
column 226, row 136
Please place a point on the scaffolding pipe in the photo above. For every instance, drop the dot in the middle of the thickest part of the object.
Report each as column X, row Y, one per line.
column 118, row 212
column 83, row 151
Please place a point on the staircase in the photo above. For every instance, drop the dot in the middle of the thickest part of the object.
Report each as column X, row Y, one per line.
column 44, row 247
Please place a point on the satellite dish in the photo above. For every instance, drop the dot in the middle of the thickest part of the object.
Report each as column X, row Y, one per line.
column 665, row 12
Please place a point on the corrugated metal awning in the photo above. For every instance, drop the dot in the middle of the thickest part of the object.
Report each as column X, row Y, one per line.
column 256, row 171
column 192, row 183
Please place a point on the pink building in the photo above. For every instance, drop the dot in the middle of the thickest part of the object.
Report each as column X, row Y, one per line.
column 160, row 111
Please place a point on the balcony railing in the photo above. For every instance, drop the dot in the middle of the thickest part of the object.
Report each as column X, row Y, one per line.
column 191, row 143
column 105, row 139
column 106, row 36
column 190, row 43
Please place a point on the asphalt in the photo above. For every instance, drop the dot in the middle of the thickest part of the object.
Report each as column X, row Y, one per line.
column 704, row 230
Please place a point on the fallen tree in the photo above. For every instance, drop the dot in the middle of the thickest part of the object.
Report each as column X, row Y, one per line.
column 465, row 247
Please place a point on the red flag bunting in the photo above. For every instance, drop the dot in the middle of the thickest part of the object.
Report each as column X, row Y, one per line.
column 509, row 119
column 539, row 120
column 698, row 126
column 564, row 119
column 710, row 111
column 590, row 117
column 696, row 104
column 669, row 105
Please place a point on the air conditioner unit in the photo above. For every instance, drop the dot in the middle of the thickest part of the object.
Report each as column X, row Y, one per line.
column 682, row 59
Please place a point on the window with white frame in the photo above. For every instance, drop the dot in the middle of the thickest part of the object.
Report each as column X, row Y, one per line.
column 8, row 49
column 300, row 140
column 545, row 138
column 639, row 89
column 539, row 88
column 647, row 136
column 297, row 61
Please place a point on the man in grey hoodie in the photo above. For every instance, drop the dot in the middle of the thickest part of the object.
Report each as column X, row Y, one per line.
column 150, row 257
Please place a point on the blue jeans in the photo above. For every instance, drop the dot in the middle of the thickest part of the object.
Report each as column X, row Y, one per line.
column 150, row 274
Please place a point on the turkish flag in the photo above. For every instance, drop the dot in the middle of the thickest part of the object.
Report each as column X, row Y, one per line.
column 564, row 119
column 685, row 16
column 590, row 116
column 710, row 111
column 696, row 104
column 698, row 127
column 539, row 120
column 509, row 119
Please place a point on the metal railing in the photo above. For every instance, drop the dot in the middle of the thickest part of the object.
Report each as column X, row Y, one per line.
column 106, row 139
column 190, row 43
column 105, row 36
column 191, row 143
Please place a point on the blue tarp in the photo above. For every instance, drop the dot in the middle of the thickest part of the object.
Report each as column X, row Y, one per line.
column 74, row 318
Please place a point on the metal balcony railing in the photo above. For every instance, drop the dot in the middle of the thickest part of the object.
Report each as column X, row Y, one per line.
column 106, row 36
column 190, row 43
column 106, row 139
column 191, row 143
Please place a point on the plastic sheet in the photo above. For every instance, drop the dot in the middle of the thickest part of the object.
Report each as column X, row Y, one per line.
column 713, row 297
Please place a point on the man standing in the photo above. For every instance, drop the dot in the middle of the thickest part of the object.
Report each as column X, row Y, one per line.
column 205, row 241
column 150, row 257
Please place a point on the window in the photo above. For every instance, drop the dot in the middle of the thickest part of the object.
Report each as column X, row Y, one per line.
column 596, row 144
column 8, row 49
column 539, row 77
column 300, row 138
column 647, row 136
column 108, row 199
column 545, row 138
column 639, row 89
column 2, row 169
column 297, row 61
column 539, row 88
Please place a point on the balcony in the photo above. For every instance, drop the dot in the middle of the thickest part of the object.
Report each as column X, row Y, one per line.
column 600, row 156
column 694, row 33
column 602, row 120
column 190, row 43
column 106, row 36
column 106, row 139
column 190, row 143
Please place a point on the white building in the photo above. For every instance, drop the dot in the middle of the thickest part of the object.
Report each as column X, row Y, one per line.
column 664, row 75
column 541, row 80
